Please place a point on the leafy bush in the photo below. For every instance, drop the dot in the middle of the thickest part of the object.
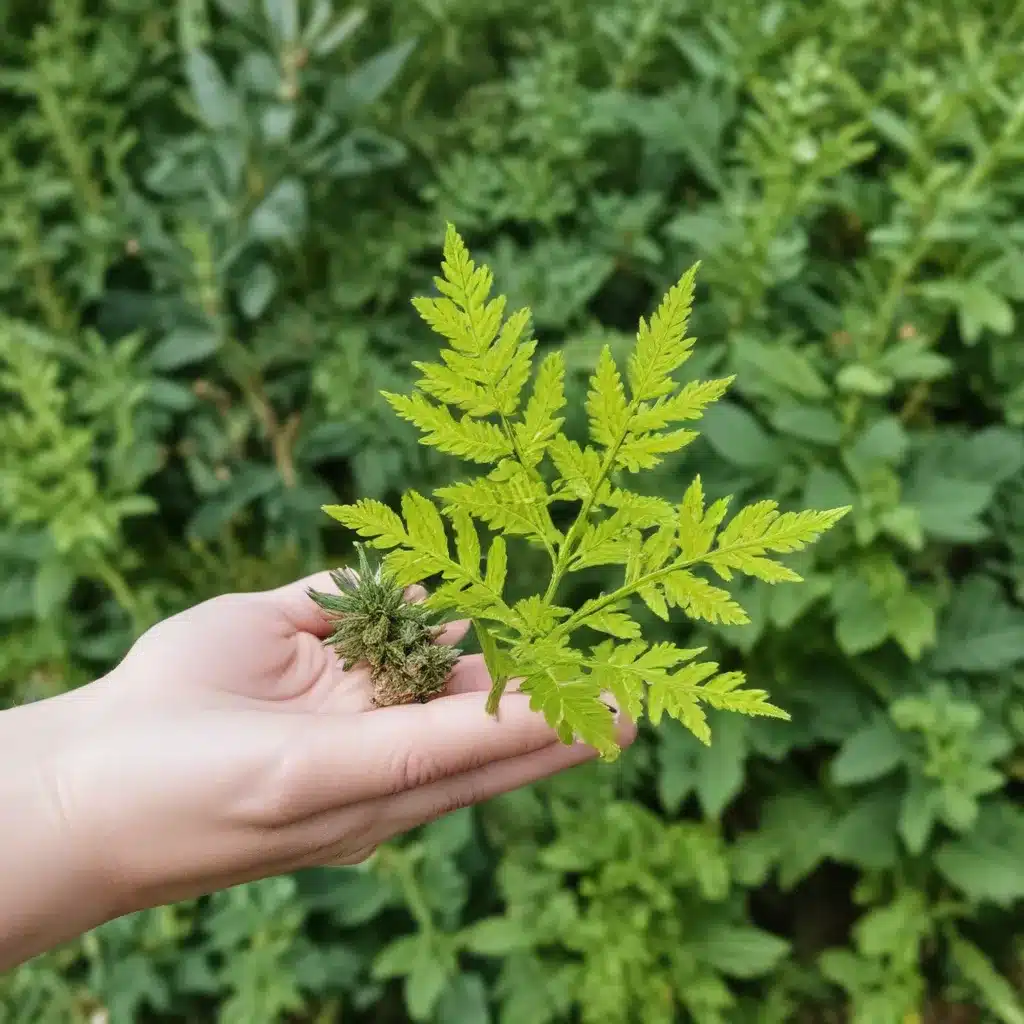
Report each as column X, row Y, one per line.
column 214, row 215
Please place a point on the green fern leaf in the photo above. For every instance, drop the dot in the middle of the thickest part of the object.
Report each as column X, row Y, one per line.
column 606, row 402
column 454, row 388
column 574, row 710
column 517, row 505
column 612, row 621
column 467, row 541
column 424, row 525
column 541, row 421
column 637, row 453
column 617, row 549
column 627, row 670
column 465, row 316
column 655, row 600
column 766, row 569
column 688, row 404
column 682, row 694
column 497, row 565
column 702, row 600
column 641, row 510
column 372, row 520
column 534, row 616
column 658, row 549
column 697, row 526
column 579, row 469
column 760, row 528
column 662, row 346
column 472, row 403
column 471, row 439
column 508, row 364
column 410, row 566
column 725, row 692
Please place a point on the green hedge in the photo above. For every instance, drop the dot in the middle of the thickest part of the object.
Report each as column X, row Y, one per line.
column 213, row 216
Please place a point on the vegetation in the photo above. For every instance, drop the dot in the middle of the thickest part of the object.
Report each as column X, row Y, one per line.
column 214, row 213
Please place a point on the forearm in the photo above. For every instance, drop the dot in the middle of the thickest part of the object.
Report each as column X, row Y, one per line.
column 50, row 889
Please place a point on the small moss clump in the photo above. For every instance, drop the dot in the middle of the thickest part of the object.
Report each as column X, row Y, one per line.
column 375, row 624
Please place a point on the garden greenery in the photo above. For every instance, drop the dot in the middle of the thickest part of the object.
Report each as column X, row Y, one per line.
column 214, row 214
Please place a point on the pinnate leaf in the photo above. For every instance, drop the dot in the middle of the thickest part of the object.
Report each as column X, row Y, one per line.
column 372, row 520
column 613, row 621
column 467, row 541
column 574, row 710
column 424, row 524
column 688, row 404
column 606, row 402
column 517, row 505
column 472, row 403
column 541, row 421
column 475, row 440
column 703, row 600
column 662, row 346
column 497, row 565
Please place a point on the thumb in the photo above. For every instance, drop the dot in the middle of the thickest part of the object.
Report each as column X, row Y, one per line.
column 304, row 613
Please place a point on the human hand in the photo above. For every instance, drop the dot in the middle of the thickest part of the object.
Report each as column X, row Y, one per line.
column 229, row 745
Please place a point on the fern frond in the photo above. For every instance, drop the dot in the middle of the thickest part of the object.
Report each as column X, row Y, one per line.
column 471, row 439
column 372, row 520
column 454, row 388
column 697, row 526
column 646, row 451
column 574, row 710
column 467, row 540
column 758, row 529
column 477, row 402
column 516, row 505
column 611, row 620
column 702, row 600
column 662, row 346
column 541, row 421
column 681, row 695
column 606, row 402
column 688, row 404
column 579, row 470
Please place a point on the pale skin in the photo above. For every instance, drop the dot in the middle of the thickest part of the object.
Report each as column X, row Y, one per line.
column 229, row 745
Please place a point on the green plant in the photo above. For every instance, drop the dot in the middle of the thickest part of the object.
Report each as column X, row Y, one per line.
column 374, row 623
column 471, row 405
column 213, row 213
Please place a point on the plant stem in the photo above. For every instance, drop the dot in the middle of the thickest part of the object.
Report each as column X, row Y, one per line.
column 568, row 547
column 492, row 659
column 628, row 589
column 518, row 452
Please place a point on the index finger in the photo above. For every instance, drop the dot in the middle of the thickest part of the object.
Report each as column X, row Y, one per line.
column 330, row 760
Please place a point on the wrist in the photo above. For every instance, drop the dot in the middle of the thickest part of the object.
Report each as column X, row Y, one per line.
column 52, row 883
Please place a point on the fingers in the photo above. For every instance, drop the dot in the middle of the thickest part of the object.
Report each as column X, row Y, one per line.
column 334, row 760
column 301, row 611
column 454, row 632
column 348, row 835
column 406, row 811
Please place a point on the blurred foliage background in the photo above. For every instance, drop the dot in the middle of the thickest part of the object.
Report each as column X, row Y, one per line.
column 213, row 214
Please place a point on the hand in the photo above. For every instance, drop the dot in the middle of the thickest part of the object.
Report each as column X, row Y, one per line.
column 229, row 745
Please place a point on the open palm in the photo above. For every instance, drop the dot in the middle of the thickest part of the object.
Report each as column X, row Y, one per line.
column 230, row 745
